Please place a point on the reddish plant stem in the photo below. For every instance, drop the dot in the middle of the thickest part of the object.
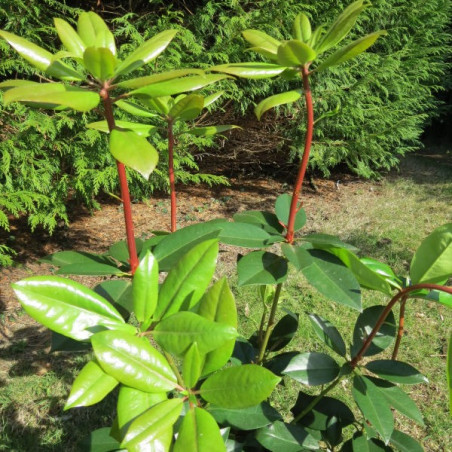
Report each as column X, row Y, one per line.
column 124, row 187
column 399, row 296
column 305, row 158
column 171, row 175
column 401, row 326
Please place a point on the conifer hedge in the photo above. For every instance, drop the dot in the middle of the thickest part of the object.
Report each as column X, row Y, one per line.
column 372, row 110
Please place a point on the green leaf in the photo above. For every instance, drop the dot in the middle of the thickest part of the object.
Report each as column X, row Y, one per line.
column 364, row 326
column 177, row 332
column 132, row 403
column 199, row 432
column 239, row 386
column 175, row 245
column 40, row 58
column 262, row 41
column 375, row 408
column 67, row 307
column 326, row 240
column 404, row 442
column 53, row 95
column 363, row 443
column 209, row 100
column 295, row 53
column 145, row 288
column 119, row 293
column 328, row 333
column 432, row 262
column 147, row 52
column 250, row 70
column 69, row 37
column 261, row 267
column 302, row 28
column 341, row 26
column 99, row 441
column 188, row 108
column 398, row 400
column 133, row 151
column 266, row 220
column 384, row 270
column 134, row 109
column 142, row 130
column 246, row 235
column 62, row 258
column 94, row 32
column 283, row 332
column 91, row 386
column 210, row 130
column 280, row 436
column 177, row 86
column 282, row 210
column 120, row 250
column 312, row 368
column 89, row 268
column 449, row 372
column 278, row 99
column 192, row 366
column 8, row 84
column 396, row 371
column 327, row 274
column 218, row 305
column 100, row 62
column 439, row 296
column 348, row 52
column 133, row 361
column 60, row 343
column 188, row 279
column 152, row 429
column 249, row 418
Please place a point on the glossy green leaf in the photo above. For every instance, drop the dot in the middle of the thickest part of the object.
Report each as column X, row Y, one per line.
column 246, row 235
column 188, row 108
column 404, row 442
column 188, row 279
column 89, row 268
column 278, row 99
column 280, row 436
column 363, row 443
column 438, row 296
column 327, row 274
column 177, row 333
column 302, row 28
column 218, row 305
column 120, row 250
column 249, row 418
column 348, row 52
column 134, row 109
column 398, row 399
column 262, row 40
column 382, row 269
column 192, row 365
column 449, row 372
column 53, row 95
column 210, row 130
column 199, row 432
column 239, row 386
column 211, row 98
column 327, row 240
column 160, row 104
column 147, row 52
column 261, row 267
column 133, row 151
column 282, row 210
column 69, row 37
column 132, row 403
column 94, row 32
column 8, row 84
column 99, row 441
column 142, row 130
column 266, row 220
column 151, row 430
column 277, row 363
column 60, row 343
column 283, row 332
column 396, row 371
column 295, row 53
column 67, row 307
column 312, row 368
column 175, row 245
column 62, row 258
column 100, row 62
column 155, row 78
column 250, row 70
column 432, row 262
column 375, row 408
column 133, row 361
column 364, row 325
column 91, row 386
column 40, row 58
column 341, row 26
column 119, row 293
column 145, row 288
column 328, row 333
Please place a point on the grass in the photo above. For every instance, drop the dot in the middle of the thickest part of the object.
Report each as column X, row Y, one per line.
column 386, row 220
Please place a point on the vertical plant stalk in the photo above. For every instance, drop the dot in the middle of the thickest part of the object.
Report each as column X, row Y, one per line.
column 401, row 326
column 305, row 157
column 124, row 187
column 270, row 325
column 172, row 179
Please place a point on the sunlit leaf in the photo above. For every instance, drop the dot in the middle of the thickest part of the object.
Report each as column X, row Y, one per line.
column 69, row 37
column 396, row 371
column 100, row 62
column 295, row 53
column 302, row 28
column 262, row 40
column 274, row 101
column 155, row 78
column 188, row 108
column 142, row 130
column 261, row 267
column 94, row 32
column 250, row 70
column 210, row 130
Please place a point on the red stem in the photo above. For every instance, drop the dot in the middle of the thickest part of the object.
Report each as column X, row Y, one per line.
column 124, row 187
column 401, row 326
column 400, row 295
column 171, row 175
column 305, row 158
